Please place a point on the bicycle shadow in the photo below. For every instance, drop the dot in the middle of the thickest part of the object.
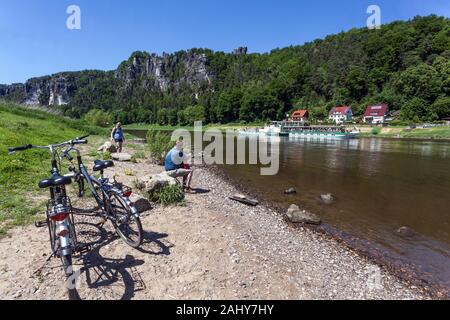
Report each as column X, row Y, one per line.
column 111, row 273
column 155, row 244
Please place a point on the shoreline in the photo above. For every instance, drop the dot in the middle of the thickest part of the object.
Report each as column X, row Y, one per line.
column 401, row 271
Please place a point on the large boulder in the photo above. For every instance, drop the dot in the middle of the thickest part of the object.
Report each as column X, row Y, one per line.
column 121, row 156
column 295, row 215
column 108, row 147
column 155, row 183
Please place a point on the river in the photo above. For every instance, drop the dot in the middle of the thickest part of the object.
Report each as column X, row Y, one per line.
column 380, row 185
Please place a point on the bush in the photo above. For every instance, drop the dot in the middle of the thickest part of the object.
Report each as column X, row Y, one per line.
column 137, row 155
column 168, row 196
column 158, row 143
column 98, row 118
column 376, row 131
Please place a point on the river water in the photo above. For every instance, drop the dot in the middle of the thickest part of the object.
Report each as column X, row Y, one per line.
column 380, row 185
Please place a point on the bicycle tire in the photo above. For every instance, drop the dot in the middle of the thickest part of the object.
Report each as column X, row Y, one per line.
column 68, row 271
column 136, row 241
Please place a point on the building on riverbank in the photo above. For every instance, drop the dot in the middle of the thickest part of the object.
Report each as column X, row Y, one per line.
column 376, row 114
column 300, row 116
column 341, row 114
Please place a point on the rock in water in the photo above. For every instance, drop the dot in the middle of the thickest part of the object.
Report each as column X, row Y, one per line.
column 295, row 215
column 290, row 191
column 406, row 232
column 108, row 147
column 328, row 198
column 121, row 156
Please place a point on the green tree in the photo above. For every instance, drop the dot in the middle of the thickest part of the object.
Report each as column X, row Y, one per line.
column 98, row 118
column 415, row 109
column 441, row 107
column 194, row 113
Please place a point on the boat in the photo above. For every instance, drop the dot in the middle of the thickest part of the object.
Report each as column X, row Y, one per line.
column 300, row 129
column 324, row 134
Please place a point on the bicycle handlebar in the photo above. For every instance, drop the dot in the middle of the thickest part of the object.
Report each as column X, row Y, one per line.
column 76, row 141
column 12, row 150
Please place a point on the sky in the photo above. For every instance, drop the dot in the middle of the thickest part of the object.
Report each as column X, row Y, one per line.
column 35, row 40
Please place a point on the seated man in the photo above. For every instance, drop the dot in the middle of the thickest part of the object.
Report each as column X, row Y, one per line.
column 175, row 166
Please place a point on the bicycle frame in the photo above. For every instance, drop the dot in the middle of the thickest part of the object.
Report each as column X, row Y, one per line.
column 102, row 183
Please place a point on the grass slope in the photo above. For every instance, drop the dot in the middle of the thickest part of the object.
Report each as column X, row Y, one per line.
column 21, row 172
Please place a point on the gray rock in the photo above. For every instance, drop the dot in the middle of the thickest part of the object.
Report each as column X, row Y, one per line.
column 328, row 198
column 295, row 215
column 155, row 183
column 290, row 191
column 123, row 157
column 108, row 147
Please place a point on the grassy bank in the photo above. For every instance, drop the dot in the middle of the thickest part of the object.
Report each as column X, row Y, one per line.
column 20, row 173
column 223, row 127
column 436, row 133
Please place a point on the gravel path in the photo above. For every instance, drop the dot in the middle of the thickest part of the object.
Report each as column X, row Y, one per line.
column 211, row 248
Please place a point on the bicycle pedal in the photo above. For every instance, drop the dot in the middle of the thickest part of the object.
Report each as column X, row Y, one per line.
column 40, row 224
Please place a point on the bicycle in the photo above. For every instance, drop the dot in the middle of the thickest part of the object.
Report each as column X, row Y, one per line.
column 112, row 198
column 114, row 203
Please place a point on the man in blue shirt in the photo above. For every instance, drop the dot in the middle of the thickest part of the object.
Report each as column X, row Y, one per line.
column 176, row 167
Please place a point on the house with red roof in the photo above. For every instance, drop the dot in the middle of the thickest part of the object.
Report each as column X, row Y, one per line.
column 300, row 115
column 340, row 115
column 376, row 114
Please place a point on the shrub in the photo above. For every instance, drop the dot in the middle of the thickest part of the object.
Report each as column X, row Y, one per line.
column 168, row 196
column 376, row 131
column 158, row 143
column 98, row 118
column 137, row 155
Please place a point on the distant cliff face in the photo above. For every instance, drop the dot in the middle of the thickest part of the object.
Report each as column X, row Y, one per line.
column 49, row 90
column 150, row 71
column 165, row 71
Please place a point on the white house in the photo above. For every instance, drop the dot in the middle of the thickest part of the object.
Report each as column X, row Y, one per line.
column 340, row 115
column 376, row 114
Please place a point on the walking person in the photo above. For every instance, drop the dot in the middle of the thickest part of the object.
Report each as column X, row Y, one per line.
column 118, row 137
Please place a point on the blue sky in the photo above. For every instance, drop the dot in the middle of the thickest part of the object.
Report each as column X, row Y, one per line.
column 35, row 40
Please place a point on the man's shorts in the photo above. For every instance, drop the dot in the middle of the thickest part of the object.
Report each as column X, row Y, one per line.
column 179, row 173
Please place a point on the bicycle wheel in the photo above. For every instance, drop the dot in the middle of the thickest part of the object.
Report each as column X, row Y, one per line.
column 127, row 225
column 70, row 283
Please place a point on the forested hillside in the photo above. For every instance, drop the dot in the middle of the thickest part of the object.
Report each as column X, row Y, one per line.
column 405, row 64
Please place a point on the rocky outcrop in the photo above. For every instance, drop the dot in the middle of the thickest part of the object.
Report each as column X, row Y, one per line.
column 142, row 72
column 163, row 72
column 240, row 51
column 45, row 91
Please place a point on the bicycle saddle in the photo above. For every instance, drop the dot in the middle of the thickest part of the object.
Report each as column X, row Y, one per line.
column 100, row 165
column 55, row 181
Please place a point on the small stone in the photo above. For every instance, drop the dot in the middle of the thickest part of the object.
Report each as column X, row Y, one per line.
column 328, row 198
column 290, row 191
